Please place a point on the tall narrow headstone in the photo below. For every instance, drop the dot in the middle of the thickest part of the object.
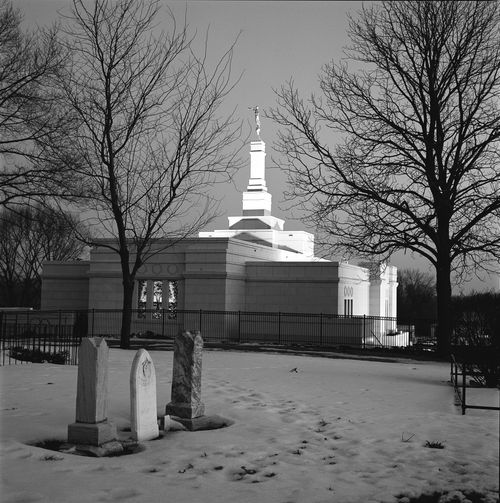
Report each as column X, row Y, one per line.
column 143, row 413
column 92, row 426
column 186, row 401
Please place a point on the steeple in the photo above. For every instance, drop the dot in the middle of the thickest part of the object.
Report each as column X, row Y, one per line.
column 256, row 199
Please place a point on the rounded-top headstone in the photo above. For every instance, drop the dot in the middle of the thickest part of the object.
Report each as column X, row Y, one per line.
column 143, row 409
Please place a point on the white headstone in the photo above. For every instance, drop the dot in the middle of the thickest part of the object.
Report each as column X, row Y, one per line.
column 92, row 426
column 92, row 386
column 143, row 412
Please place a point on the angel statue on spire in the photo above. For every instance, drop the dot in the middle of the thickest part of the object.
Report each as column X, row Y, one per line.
column 257, row 119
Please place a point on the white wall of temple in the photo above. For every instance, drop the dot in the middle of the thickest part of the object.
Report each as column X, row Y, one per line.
column 354, row 290
column 65, row 285
column 306, row 287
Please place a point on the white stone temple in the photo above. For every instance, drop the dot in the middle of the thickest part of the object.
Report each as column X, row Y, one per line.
column 253, row 265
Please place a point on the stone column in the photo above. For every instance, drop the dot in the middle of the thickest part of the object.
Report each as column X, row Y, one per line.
column 92, row 426
column 186, row 404
column 143, row 413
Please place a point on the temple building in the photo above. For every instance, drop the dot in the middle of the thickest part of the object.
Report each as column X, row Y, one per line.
column 253, row 265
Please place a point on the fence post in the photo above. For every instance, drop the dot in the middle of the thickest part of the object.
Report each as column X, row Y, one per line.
column 239, row 327
column 35, row 340
column 279, row 327
column 163, row 322
column 464, row 386
column 92, row 328
column 59, row 332
column 364, row 331
column 200, row 324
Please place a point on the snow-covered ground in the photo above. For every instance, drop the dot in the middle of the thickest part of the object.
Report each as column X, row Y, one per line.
column 337, row 430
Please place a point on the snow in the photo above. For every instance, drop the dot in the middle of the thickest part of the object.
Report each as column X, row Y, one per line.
column 336, row 430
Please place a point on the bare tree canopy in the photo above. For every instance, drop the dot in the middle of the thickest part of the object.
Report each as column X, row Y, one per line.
column 30, row 111
column 417, row 167
column 416, row 295
column 150, row 138
column 28, row 237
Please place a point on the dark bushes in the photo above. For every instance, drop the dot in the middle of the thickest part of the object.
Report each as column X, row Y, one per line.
column 38, row 356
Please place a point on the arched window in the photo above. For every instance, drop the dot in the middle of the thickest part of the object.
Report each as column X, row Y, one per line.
column 348, row 300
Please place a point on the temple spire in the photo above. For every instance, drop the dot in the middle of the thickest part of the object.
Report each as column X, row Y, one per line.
column 256, row 199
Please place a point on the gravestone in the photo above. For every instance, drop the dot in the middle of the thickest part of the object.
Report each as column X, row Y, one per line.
column 143, row 413
column 92, row 426
column 186, row 405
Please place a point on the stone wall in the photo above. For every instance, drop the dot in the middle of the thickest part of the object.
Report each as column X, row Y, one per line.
column 292, row 287
column 65, row 285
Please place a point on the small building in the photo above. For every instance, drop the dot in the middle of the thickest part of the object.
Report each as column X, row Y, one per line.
column 253, row 265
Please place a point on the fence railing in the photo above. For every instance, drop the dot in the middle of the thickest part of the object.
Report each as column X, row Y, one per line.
column 55, row 335
column 480, row 364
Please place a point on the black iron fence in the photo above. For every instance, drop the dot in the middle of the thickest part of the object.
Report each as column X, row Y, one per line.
column 36, row 336
column 316, row 329
column 56, row 335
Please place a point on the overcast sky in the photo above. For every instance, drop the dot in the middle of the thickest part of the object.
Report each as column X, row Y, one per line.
column 277, row 41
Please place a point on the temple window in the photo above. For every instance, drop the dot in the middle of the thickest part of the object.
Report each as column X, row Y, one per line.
column 348, row 301
column 151, row 301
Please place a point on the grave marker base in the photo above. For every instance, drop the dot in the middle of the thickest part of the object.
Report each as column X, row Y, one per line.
column 204, row 422
column 91, row 434
column 185, row 410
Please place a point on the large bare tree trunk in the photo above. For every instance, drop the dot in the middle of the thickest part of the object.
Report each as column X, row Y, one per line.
column 443, row 290
column 128, row 292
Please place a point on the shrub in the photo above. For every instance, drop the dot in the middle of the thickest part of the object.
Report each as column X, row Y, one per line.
column 38, row 356
column 477, row 333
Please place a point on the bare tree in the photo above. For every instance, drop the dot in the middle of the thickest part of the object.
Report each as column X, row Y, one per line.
column 150, row 140
column 28, row 237
column 30, row 112
column 416, row 295
column 418, row 128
